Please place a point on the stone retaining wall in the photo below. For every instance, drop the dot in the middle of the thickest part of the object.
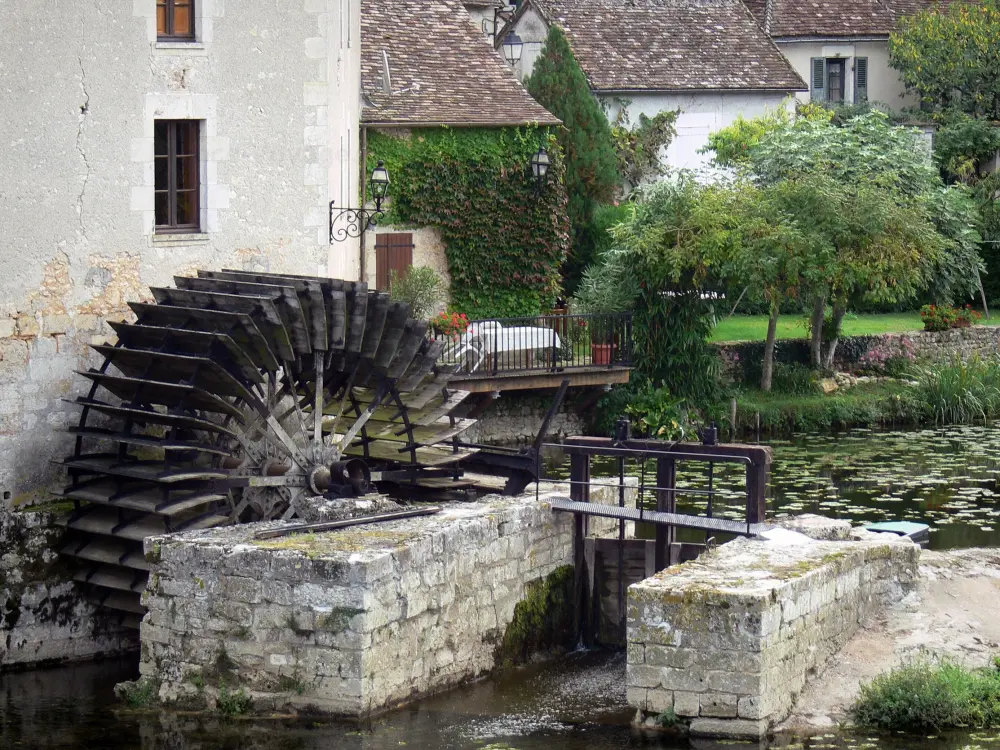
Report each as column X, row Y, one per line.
column 936, row 346
column 44, row 618
column 726, row 642
column 349, row 622
column 516, row 417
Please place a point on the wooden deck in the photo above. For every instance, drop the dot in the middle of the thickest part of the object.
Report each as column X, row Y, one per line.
column 533, row 379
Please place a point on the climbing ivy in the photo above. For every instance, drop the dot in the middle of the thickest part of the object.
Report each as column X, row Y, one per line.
column 505, row 241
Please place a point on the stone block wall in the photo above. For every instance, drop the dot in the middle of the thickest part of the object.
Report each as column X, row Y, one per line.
column 516, row 417
column 930, row 345
column 727, row 641
column 44, row 618
column 349, row 622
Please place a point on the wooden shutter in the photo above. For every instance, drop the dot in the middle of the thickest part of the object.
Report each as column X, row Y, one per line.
column 393, row 252
column 817, row 81
column 860, row 80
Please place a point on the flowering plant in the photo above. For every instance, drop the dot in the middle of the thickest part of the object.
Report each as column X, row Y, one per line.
column 893, row 359
column 968, row 316
column 943, row 317
column 450, row 324
column 938, row 317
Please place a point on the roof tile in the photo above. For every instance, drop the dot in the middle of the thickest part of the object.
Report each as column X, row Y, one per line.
column 671, row 45
column 443, row 71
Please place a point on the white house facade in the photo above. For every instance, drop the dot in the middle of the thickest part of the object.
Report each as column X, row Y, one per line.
column 710, row 60
column 840, row 49
column 151, row 138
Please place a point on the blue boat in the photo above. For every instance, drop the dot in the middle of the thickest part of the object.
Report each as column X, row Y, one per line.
column 920, row 533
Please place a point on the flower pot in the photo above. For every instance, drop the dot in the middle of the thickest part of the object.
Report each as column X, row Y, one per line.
column 601, row 354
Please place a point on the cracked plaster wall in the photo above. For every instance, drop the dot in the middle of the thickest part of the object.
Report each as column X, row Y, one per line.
column 82, row 85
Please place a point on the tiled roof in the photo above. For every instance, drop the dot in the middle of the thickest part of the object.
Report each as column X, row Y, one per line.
column 670, row 45
column 443, row 71
column 843, row 18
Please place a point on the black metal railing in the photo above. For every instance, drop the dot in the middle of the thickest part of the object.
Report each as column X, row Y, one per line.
column 541, row 343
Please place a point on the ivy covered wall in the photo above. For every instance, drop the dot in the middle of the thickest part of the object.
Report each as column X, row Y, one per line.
column 505, row 241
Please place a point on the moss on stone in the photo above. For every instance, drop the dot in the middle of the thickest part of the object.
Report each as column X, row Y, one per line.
column 338, row 620
column 55, row 506
column 138, row 693
column 543, row 620
column 344, row 540
column 155, row 554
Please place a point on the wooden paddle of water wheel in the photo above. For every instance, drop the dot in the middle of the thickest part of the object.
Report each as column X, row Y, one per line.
column 236, row 396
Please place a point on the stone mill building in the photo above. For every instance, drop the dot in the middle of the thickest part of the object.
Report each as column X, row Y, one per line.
column 150, row 138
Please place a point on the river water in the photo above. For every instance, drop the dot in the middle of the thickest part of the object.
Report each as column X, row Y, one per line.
column 946, row 478
column 575, row 703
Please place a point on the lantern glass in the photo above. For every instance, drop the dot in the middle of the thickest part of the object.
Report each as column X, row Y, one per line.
column 380, row 181
column 512, row 48
column 540, row 164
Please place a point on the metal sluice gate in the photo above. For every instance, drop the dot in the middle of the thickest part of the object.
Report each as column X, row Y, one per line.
column 653, row 555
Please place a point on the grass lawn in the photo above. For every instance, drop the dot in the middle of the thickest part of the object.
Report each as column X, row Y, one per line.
column 754, row 327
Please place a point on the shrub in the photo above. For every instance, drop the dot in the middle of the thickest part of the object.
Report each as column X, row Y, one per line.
column 421, row 287
column 938, row 317
column 794, row 379
column 233, row 703
column 138, row 693
column 962, row 391
column 891, row 361
column 926, row 696
column 657, row 414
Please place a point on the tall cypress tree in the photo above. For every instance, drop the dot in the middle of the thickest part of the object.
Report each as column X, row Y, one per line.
column 558, row 83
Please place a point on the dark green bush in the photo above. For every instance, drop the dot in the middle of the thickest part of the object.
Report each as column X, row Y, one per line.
column 931, row 696
column 794, row 379
column 875, row 405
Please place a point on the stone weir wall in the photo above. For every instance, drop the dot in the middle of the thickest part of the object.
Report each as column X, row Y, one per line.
column 354, row 621
column 726, row 642
column 44, row 618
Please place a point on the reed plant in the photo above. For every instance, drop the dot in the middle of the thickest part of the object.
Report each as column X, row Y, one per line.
column 961, row 391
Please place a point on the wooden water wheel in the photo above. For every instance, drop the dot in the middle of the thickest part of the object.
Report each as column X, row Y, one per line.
column 236, row 396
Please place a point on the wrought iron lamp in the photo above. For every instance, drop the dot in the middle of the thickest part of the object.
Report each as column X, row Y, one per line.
column 512, row 48
column 540, row 163
column 356, row 221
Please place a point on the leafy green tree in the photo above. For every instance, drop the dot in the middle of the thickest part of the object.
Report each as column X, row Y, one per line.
column 780, row 256
column 950, row 57
column 559, row 84
column 732, row 144
column 666, row 260
column 962, row 145
column 890, row 218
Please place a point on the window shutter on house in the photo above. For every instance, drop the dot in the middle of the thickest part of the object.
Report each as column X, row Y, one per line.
column 817, row 81
column 393, row 252
column 860, row 80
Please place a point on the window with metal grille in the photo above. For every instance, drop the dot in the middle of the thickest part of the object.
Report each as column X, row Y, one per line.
column 175, row 19
column 177, row 183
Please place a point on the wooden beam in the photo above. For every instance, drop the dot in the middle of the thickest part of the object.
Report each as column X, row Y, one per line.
column 531, row 380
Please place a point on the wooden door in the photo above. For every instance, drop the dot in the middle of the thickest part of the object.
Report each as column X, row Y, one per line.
column 393, row 252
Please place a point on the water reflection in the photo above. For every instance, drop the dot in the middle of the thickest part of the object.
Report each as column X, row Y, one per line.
column 577, row 703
